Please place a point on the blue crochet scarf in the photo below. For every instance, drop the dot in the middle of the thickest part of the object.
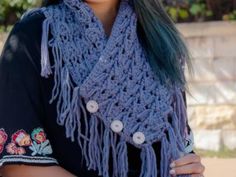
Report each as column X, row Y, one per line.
column 127, row 103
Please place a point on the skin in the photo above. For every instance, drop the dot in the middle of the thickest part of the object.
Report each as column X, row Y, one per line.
column 34, row 171
column 106, row 11
column 188, row 164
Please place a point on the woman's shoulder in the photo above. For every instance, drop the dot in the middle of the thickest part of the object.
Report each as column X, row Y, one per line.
column 23, row 42
column 30, row 22
column 28, row 29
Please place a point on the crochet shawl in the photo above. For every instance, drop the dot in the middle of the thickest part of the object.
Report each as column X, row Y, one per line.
column 127, row 103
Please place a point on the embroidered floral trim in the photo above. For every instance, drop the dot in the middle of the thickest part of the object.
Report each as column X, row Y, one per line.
column 27, row 159
column 40, row 144
column 38, row 135
column 37, row 142
column 13, row 149
column 3, row 139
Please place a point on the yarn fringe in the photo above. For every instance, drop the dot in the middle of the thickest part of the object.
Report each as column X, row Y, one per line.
column 69, row 101
column 122, row 160
column 148, row 157
column 99, row 151
column 179, row 119
column 180, row 110
column 45, row 62
column 94, row 146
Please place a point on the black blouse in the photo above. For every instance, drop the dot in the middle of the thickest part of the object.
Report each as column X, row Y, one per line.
column 29, row 133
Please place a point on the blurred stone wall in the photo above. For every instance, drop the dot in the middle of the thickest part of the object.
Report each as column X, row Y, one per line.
column 212, row 103
column 3, row 37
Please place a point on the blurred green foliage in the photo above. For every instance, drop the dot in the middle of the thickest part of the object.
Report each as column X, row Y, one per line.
column 179, row 10
column 11, row 10
column 200, row 10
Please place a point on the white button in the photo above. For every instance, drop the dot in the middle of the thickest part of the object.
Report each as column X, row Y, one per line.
column 117, row 126
column 92, row 106
column 138, row 138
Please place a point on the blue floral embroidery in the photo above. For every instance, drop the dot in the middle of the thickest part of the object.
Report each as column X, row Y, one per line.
column 42, row 149
column 40, row 144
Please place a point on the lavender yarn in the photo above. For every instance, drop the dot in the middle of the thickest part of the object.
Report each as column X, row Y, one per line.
column 116, row 74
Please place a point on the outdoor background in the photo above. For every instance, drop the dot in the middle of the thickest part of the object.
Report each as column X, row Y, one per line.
column 209, row 28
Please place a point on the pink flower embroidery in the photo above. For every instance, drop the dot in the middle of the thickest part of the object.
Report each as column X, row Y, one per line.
column 21, row 138
column 14, row 150
column 38, row 135
column 3, row 139
column 36, row 142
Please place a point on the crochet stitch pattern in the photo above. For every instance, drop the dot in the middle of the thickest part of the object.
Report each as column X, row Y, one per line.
column 114, row 73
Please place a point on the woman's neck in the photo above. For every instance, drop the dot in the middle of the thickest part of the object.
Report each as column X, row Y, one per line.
column 106, row 11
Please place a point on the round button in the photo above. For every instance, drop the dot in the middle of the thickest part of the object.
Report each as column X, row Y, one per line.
column 139, row 138
column 117, row 126
column 92, row 106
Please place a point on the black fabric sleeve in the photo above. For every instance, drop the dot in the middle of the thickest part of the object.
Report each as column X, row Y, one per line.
column 189, row 139
column 23, row 139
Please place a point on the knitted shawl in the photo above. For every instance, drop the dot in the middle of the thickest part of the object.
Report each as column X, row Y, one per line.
column 127, row 103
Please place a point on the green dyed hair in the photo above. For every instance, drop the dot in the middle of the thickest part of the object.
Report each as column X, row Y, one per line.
column 164, row 45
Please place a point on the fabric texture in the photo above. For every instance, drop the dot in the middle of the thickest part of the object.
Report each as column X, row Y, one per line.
column 114, row 74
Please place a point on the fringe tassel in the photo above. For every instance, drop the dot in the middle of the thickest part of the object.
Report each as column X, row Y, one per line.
column 122, row 160
column 68, row 108
column 173, row 148
column 165, row 158
column 169, row 152
column 114, row 154
column 148, row 157
column 45, row 62
column 180, row 110
column 94, row 147
column 97, row 150
column 57, row 70
column 179, row 119
column 176, row 151
column 80, row 136
column 176, row 129
column 69, row 100
column 74, row 115
column 105, row 153
column 64, row 102
column 85, row 145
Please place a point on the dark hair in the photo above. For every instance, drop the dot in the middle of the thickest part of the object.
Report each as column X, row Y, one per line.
column 162, row 41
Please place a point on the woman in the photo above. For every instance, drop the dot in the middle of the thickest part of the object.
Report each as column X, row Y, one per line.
column 95, row 88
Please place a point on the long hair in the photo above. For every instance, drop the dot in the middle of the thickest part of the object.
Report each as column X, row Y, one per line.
column 163, row 43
